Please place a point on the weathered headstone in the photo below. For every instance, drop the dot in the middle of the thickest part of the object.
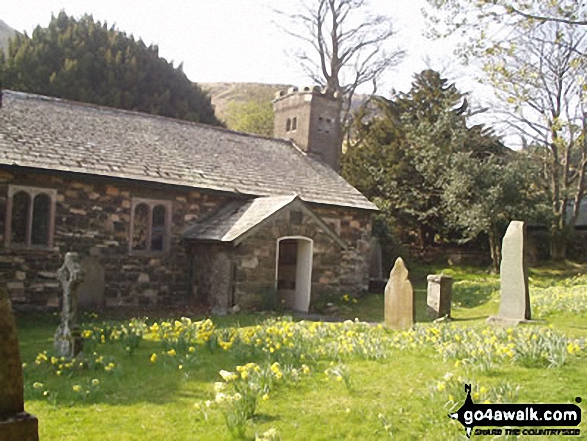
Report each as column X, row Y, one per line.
column 15, row 423
column 91, row 291
column 68, row 341
column 399, row 298
column 515, row 298
column 439, row 295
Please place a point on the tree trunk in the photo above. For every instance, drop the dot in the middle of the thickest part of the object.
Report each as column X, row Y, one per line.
column 558, row 244
column 495, row 250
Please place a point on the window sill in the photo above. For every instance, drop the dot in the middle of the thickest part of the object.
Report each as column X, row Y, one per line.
column 136, row 253
column 33, row 248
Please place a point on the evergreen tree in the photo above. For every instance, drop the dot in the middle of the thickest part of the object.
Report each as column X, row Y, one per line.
column 406, row 150
column 401, row 149
column 85, row 60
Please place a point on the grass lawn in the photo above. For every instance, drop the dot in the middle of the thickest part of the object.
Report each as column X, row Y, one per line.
column 248, row 376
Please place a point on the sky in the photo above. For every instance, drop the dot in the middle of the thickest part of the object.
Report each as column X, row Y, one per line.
column 240, row 41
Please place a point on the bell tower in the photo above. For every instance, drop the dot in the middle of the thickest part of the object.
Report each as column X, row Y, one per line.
column 311, row 119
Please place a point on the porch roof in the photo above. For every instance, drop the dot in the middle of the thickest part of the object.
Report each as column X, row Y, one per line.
column 234, row 221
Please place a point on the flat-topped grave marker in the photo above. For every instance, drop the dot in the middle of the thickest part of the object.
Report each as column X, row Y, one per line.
column 439, row 295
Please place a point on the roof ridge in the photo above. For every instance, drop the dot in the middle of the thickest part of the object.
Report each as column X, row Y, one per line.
column 73, row 103
column 75, row 137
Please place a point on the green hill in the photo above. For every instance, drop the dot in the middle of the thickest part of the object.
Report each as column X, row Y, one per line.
column 5, row 33
column 223, row 94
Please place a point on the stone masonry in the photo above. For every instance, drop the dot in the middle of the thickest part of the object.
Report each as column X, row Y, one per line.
column 244, row 274
column 93, row 218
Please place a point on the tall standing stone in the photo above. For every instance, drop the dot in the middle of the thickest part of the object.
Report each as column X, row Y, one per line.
column 399, row 298
column 15, row 423
column 515, row 297
column 68, row 341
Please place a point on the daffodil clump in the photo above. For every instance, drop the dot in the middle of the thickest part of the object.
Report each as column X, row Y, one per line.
column 80, row 389
column 485, row 348
column 239, row 392
column 129, row 335
column 341, row 373
column 87, row 388
column 567, row 297
column 286, row 341
column 39, row 389
column 183, row 333
column 178, row 360
column 62, row 366
column 180, row 340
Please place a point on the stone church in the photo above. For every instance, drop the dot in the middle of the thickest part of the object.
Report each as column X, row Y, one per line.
column 169, row 212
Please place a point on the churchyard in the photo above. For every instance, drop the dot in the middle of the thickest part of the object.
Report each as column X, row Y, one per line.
column 269, row 376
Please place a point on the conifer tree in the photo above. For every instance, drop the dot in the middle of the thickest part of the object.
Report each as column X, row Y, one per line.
column 85, row 60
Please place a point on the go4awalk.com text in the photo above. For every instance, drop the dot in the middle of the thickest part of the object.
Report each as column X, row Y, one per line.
column 472, row 415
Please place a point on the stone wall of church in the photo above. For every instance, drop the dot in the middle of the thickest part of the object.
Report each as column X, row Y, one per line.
column 92, row 217
column 354, row 227
column 336, row 270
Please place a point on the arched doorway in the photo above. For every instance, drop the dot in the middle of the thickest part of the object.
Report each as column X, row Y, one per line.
column 293, row 271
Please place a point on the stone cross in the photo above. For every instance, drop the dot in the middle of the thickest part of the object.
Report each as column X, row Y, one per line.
column 68, row 341
column 439, row 295
column 399, row 298
column 515, row 298
column 15, row 423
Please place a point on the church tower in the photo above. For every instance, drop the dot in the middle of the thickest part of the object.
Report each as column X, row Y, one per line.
column 311, row 119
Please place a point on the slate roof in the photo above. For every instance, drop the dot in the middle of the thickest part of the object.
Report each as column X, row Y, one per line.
column 236, row 218
column 50, row 133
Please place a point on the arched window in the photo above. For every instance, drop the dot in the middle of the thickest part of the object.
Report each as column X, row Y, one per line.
column 150, row 226
column 21, row 204
column 41, row 209
column 158, row 228
column 30, row 214
column 140, row 227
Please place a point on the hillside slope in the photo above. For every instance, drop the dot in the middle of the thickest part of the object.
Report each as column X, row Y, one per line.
column 223, row 94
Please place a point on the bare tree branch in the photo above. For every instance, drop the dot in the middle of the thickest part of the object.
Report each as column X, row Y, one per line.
column 347, row 46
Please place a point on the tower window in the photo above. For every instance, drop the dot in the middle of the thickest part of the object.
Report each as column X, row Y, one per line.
column 320, row 124
column 294, row 123
column 328, row 125
column 288, row 125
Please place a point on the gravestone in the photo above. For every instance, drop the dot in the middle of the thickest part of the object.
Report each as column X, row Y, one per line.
column 399, row 298
column 68, row 340
column 439, row 295
column 514, row 306
column 91, row 290
column 15, row 423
